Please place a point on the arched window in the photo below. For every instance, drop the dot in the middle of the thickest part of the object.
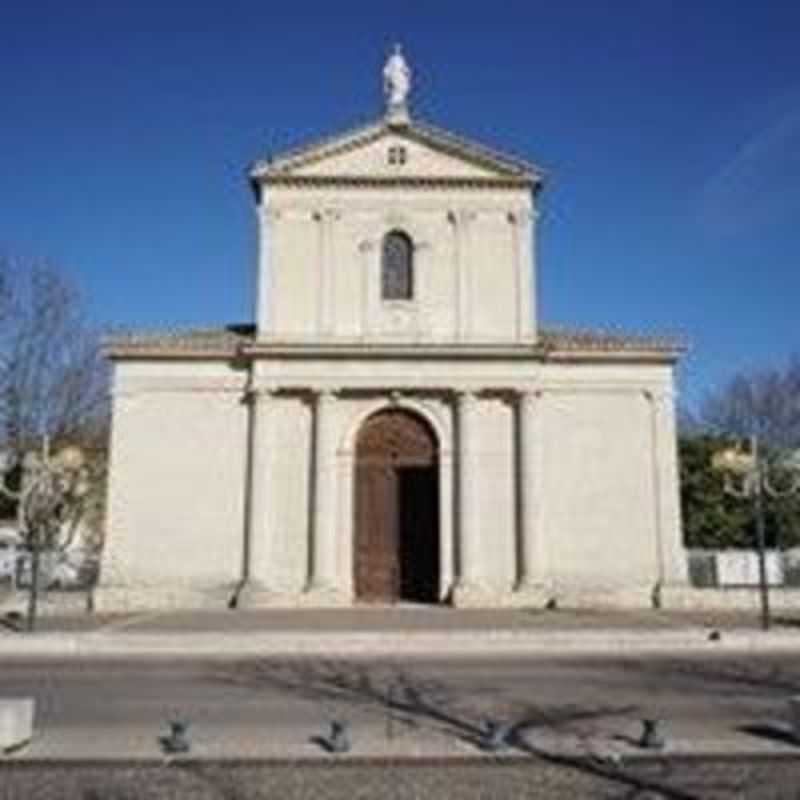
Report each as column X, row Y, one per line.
column 397, row 266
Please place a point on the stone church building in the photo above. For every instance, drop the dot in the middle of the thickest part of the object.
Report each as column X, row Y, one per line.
column 396, row 426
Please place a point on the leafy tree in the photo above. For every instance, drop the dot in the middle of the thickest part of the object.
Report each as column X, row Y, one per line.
column 714, row 519
column 711, row 518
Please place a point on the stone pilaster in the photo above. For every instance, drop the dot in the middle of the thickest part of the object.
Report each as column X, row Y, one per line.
column 366, row 249
column 323, row 576
column 326, row 287
column 258, row 542
column 460, row 222
column 532, row 568
column 264, row 278
column 670, row 552
column 521, row 224
column 470, row 586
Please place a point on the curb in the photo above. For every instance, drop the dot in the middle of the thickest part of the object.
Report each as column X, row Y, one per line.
column 376, row 644
column 33, row 763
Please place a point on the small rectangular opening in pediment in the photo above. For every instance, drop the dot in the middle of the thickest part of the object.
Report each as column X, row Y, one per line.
column 397, row 155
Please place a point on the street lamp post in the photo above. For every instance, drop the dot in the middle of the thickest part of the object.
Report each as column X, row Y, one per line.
column 49, row 502
column 751, row 471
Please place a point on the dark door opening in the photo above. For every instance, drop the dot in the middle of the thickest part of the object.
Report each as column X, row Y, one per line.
column 418, row 490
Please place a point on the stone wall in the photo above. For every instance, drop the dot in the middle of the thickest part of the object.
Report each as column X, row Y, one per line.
column 604, row 488
column 320, row 265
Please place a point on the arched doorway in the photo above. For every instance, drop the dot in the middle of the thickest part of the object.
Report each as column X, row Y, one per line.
column 396, row 552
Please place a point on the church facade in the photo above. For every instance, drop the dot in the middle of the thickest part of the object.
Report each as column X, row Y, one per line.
column 396, row 426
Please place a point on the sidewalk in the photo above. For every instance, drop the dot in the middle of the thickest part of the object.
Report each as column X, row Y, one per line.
column 398, row 631
column 296, row 743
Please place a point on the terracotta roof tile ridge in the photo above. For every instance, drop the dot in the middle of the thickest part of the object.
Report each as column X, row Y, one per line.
column 178, row 335
column 568, row 337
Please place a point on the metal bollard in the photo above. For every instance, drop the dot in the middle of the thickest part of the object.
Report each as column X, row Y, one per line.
column 496, row 736
column 177, row 740
column 652, row 737
column 338, row 740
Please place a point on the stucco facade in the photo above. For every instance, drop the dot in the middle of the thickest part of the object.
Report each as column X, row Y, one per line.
column 235, row 453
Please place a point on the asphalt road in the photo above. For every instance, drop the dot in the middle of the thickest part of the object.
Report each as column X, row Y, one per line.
column 709, row 698
column 577, row 715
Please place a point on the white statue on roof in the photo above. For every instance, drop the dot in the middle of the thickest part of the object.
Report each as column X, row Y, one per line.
column 396, row 81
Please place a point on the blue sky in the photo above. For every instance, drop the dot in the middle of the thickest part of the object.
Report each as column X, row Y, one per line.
column 670, row 130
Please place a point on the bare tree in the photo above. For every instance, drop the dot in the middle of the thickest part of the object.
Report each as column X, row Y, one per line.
column 53, row 383
column 764, row 402
column 53, row 377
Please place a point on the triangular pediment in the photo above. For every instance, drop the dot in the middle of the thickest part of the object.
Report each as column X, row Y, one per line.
column 388, row 152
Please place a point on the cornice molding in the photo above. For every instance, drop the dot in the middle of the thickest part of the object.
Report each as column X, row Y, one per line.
column 403, row 181
column 380, row 351
column 457, row 352
column 239, row 345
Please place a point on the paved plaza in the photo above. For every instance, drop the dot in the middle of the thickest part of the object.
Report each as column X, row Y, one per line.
column 400, row 617
column 407, row 630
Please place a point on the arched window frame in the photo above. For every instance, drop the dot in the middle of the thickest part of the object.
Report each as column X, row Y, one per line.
column 397, row 287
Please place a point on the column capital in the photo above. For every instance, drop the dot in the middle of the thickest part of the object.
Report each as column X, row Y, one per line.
column 521, row 216
column 269, row 213
column 324, row 394
column 658, row 397
column 466, row 401
column 528, row 396
column 465, row 396
column 257, row 393
column 461, row 216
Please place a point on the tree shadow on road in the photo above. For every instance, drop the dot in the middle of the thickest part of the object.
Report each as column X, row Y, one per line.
column 419, row 701
column 754, row 679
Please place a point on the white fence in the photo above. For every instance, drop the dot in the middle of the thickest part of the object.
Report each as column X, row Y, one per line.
column 739, row 568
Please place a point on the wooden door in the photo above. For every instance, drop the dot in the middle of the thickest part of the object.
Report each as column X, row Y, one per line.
column 376, row 567
column 396, row 545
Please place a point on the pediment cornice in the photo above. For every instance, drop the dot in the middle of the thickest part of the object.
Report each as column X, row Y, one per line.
column 498, row 168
